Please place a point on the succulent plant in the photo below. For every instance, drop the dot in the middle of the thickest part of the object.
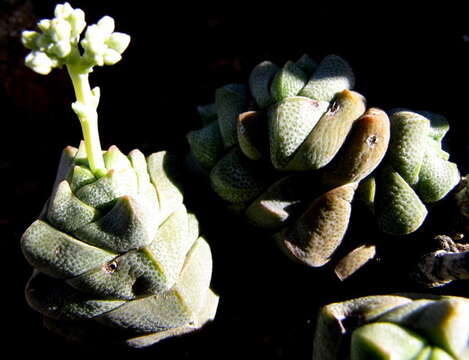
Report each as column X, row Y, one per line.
column 114, row 246
column 400, row 327
column 416, row 171
column 291, row 149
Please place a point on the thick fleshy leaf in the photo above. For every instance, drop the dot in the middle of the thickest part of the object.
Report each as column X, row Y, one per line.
column 66, row 212
column 288, row 81
column 366, row 192
column 125, row 227
column 444, row 323
column 166, row 178
column 253, row 134
column 329, row 134
column 81, row 158
column 146, row 192
column 206, row 314
column 116, row 160
column 55, row 299
column 399, row 314
column 290, row 123
column 103, row 193
column 282, row 201
column 139, row 164
column 171, row 244
column 409, row 133
column 207, row 113
column 332, row 75
column 235, row 179
column 79, row 177
column 206, row 144
column 230, row 101
column 333, row 326
column 259, row 82
column 66, row 165
column 383, row 341
column 397, row 207
column 354, row 260
column 439, row 125
column 436, row 354
column 306, row 64
column 193, row 283
column 363, row 150
column 133, row 274
column 437, row 177
column 57, row 254
column 315, row 236
column 193, row 226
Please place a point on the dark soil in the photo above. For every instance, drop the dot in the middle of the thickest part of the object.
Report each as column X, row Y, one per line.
column 416, row 58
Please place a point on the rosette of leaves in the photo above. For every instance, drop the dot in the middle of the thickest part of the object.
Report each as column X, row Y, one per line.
column 400, row 327
column 290, row 149
column 114, row 250
column 415, row 174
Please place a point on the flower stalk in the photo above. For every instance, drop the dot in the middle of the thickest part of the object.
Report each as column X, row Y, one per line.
column 86, row 109
column 57, row 44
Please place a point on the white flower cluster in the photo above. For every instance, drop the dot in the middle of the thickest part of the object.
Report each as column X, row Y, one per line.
column 57, row 44
column 54, row 44
column 102, row 45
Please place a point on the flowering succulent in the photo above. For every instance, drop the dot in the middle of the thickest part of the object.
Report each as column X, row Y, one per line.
column 57, row 43
column 292, row 148
column 114, row 245
column 400, row 327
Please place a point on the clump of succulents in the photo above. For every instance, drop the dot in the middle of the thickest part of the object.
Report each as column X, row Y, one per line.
column 400, row 327
column 290, row 150
column 114, row 245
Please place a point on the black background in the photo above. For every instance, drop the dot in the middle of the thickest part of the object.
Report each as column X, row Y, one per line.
column 402, row 57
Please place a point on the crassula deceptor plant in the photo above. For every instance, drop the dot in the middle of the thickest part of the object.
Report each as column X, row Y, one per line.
column 398, row 327
column 290, row 149
column 114, row 246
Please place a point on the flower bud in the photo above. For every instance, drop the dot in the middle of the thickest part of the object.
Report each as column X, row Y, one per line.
column 63, row 10
column 106, row 25
column 60, row 30
column 111, row 57
column 40, row 62
column 118, row 41
column 44, row 24
column 77, row 21
column 62, row 48
column 29, row 38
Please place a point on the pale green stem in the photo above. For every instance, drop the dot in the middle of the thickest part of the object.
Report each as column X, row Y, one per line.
column 88, row 119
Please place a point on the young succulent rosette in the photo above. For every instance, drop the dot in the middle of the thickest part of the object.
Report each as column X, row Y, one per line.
column 398, row 327
column 114, row 247
column 292, row 148
column 416, row 171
